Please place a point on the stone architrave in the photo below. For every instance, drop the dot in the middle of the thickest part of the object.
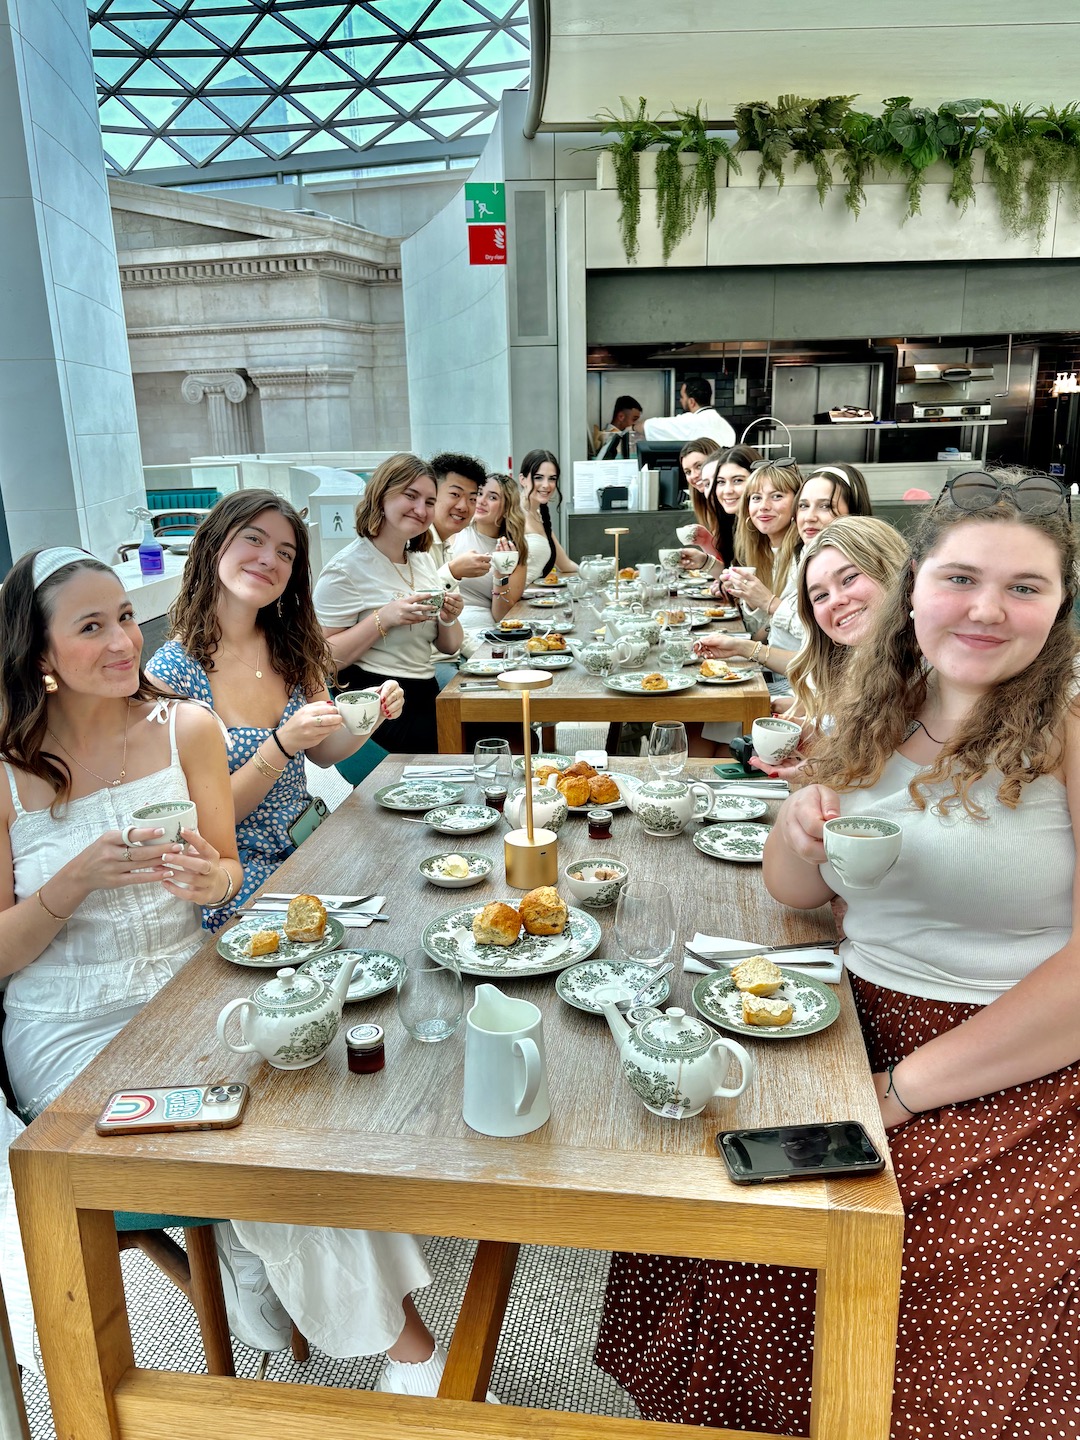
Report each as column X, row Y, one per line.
column 224, row 392
column 306, row 407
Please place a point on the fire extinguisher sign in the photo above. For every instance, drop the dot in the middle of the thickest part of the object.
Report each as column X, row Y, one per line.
column 485, row 216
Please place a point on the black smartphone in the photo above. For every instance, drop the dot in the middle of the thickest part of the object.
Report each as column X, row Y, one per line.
column 174, row 1107
column 798, row 1152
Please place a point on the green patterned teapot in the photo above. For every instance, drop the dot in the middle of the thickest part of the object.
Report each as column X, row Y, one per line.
column 290, row 1020
column 666, row 807
column 675, row 1063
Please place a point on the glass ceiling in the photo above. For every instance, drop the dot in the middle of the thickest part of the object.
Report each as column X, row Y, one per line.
column 189, row 83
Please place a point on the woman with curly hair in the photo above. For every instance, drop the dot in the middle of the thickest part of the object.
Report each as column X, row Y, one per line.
column 959, row 721
column 245, row 642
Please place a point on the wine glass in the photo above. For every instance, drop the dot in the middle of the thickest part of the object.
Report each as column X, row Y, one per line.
column 430, row 996
column 491, row 762
column 645, row 922
column 668, row 749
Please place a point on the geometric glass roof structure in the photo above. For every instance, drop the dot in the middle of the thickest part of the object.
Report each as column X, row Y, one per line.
column 262, row 86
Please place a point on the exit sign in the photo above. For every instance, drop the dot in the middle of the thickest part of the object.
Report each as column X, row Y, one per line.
column 485, row 204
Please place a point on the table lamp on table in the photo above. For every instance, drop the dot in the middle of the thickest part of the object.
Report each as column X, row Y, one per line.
column 617, row 530
column 531, row 855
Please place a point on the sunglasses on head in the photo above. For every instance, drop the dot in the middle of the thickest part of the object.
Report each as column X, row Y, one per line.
column 974, row 490
column 783, row 462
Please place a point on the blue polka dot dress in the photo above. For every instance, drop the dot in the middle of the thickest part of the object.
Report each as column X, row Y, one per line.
column 263, row 836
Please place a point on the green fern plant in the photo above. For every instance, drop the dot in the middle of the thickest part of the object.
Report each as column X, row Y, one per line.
column 807, row 130
column 631, row 133
column 1028, row 152
column 682, row 191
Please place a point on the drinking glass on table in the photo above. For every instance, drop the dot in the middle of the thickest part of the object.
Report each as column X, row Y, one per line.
column 645, row 922
column 668, row 749
column 675, row 650
column 430, row 997
column 491, row 762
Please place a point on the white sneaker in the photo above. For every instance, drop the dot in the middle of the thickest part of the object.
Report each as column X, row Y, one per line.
column 256, row 1315
column 422, row 1377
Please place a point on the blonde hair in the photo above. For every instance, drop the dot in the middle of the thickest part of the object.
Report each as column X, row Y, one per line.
column 751, row 546
column 1016, row 727
column 877, row 551
column 512, row 521
column 391, row 477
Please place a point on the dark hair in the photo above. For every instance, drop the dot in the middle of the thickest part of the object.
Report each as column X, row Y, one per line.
column 717, row 518
column 530, row 468
column 393, row 474
column 298, row 651
column 742, row 455
column 467, row 466
column 698, row 389
column 25, row 613
column 849, row 484
column 625, row 402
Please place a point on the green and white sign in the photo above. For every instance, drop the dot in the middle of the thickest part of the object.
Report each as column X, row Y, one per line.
column 485, row 204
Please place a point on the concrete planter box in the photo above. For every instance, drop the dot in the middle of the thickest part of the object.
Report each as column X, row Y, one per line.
column 605, row 170
column 940, row 173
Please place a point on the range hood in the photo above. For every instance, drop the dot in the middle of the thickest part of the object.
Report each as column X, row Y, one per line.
column 943, row 374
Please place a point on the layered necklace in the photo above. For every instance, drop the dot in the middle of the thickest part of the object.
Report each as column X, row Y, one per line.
column 112, row 784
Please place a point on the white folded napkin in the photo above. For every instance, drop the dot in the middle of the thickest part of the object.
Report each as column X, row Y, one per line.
column 755, row 792
column 715, row 947
column 354, row 919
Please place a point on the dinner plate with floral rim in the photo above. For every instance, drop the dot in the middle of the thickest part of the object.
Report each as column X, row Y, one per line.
column 450, row 938
column 480, row 867
column 545, row 757
column 544, row 602
column 719, row 1000
column 232, row 943
column 462, row 819
column 418, row 794
column 733, row 842
column 578, row 984
column 738, row 676
column 539, row 585
column 630, row 683
column 736, row 807
column 374, row 971
column 548, row 660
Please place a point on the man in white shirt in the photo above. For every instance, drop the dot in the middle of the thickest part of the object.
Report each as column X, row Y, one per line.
column 698, row 419
column 459, row 479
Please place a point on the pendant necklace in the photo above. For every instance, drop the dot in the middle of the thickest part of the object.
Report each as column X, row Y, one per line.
column 406, row 564
column 257, row 667
column 112, row 784
column 918, row 725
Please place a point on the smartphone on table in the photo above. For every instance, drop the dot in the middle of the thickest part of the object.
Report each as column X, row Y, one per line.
column 799, row 1152
column 144, row 1110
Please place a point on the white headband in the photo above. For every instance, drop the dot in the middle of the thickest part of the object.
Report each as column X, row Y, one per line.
column 831, row 471
column 48, row 562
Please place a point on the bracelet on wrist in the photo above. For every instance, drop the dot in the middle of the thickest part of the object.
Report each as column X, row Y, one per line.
column 379, row 624
column 263, row 766
column 229, row 888
column 289, row 754
column 892, row 1090
column 60, row 919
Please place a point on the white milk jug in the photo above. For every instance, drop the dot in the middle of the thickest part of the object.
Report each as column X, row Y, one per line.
column 506, row 1091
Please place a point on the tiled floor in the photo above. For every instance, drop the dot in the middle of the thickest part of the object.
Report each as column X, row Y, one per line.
column 544, row 1357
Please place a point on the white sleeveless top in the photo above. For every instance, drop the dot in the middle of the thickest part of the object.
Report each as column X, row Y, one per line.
column 120, row 946
column 971, row 906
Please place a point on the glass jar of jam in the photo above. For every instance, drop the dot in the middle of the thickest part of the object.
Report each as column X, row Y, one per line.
column 495, row 796
column 599, row 824
column 365, row 1048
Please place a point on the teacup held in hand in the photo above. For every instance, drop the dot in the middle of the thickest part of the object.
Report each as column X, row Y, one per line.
column 172, row 816
column 359, row 709
column 862, row 849
column 775, row 740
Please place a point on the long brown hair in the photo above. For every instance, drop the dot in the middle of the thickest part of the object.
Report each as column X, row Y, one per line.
column 393, row 475
column 751, row 546
column 298, row 650
column 706, row 447
column 718, row 520
column 1016, row 727
column 25, row 614
column 512, row 520
column 879, row 552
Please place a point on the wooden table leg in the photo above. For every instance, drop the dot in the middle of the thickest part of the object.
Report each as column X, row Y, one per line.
column 451, row 733
column 476, row 1334
column 78, row 1293
column 858, row 1294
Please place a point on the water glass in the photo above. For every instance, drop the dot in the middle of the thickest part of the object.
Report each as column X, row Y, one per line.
column 645, row 922
column 675, row 650
column 430, row 996
column 668, row 749
column 491, row 762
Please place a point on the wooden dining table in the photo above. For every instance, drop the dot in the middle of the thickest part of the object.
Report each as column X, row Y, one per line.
column 390, row 1151
column 574, row 694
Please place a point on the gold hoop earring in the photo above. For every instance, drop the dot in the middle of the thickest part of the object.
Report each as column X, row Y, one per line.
column 49, row 682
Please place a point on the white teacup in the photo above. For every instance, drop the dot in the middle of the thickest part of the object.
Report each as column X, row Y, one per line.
column 686, row 533
column 504, row 562
column 359, row 709
column 862, row 849
column 775, row 739
column 646, row 574
column 669, row 558
column 172, row 816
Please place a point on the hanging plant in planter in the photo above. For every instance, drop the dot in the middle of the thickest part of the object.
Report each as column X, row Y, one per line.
column 910, row 138
column 1028, row 152
column 632, row 133
column 807, row 130
column 681, row 190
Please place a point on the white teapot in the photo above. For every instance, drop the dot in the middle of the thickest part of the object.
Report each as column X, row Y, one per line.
column 549, row 808
column 666, row 807
column 290, row 1020
column 675, row 1063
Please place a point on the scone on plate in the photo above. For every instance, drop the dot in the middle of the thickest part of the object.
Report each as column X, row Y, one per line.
column 543, row 773
column 603, row 790
column 716, row 670
column 554, row 641
column 655, row 681
column 544, row 911
column 263, row 942
column 496, row 924
column 575, row 788
column 760, row 1010
column 758, row 976
column 581, row 767
column 306, row 919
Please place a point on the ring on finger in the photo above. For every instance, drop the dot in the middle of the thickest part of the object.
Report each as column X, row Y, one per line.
column 127, row 852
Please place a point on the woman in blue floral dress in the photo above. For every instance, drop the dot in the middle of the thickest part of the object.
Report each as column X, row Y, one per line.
column 245, row 642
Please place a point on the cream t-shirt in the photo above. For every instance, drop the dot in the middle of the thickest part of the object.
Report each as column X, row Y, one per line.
column 357, row 581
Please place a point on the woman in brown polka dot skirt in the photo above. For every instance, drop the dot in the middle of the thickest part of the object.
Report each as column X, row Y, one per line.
column 957, row 724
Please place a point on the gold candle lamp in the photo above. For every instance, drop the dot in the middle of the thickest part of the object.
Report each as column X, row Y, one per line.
column 531, row 855
column 617, row 530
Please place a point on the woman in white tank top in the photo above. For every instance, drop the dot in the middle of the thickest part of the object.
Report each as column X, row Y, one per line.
column 958, row 722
